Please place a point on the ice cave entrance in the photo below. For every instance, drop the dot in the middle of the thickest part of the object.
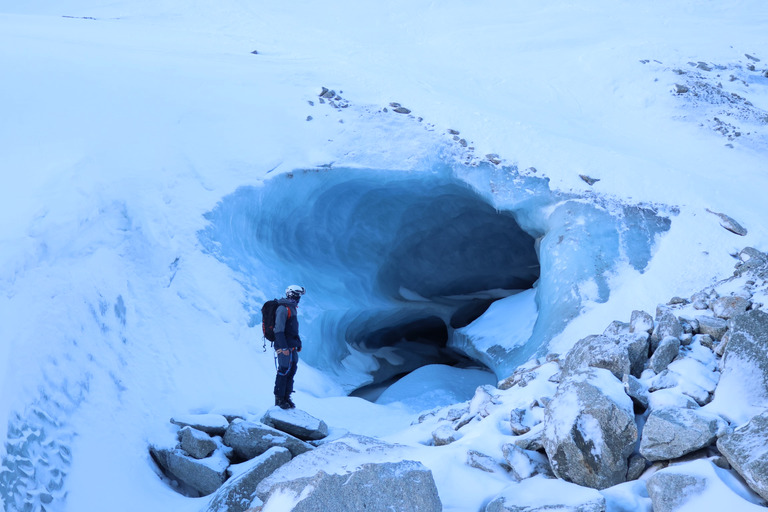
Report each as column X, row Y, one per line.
column 394, row 262
column 408, row 268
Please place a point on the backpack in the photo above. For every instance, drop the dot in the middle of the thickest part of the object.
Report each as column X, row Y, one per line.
column 268, row 311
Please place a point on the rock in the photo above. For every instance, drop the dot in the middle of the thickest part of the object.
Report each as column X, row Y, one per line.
column 589, row 180
column 637, row 345
column 670, row 490
column 667, row 324
column 637, row 465
column 483, row 462
column 401, row 110
column 705, row 340
column 665, row 353
column 746, row 449
column 597, row 352
column 540, row 494
column 516, row 425
column 728, row 307
column 249, row 439
column 729, row 223
column 525, row 463
column 670, row 433
column 715, row 327
column 213, row 424
column 483, row 401
column 590, row 429
column 751, row 261
column 681, row 89
column 351, row 474
column 636, row 390
column 296, row 422
column 204, row 476
column 444, row 435
column 616, row 328
column 743, row 386
column 237, row 494
column 533, row 440
column 640, row 321
column 196, row 443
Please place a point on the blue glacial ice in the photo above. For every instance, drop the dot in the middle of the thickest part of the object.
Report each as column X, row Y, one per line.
column 398, row 264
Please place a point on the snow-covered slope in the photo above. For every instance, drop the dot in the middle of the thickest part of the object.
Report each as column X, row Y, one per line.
column 125, row 123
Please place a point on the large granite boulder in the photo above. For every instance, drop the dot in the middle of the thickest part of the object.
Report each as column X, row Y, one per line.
column 200, row 477
column 598, row 352
column 742, row 391
column 296, row 422
column 237, row 494
column 746, row 449
column 351, row 474
column 715, row 327
column 541, row 494
column 671, row 433
column 640, row 321
column 249, row 439
column 729, row 307
column 590, row 429
column 637, row 346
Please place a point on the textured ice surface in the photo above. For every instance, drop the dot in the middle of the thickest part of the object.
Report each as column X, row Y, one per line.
column 395, row 261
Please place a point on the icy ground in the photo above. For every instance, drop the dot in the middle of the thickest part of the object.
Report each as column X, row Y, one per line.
column 126, row 124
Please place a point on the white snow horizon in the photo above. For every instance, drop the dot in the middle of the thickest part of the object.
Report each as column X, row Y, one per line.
column 126, row 123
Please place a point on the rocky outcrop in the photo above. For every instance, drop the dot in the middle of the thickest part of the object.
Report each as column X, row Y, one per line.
column 671, row 433
column 590, row 429
column 249, row 439
column 201, row 476
column 598, row 352
column 351, row 474
column 746, row 449
column 237, row 494
column 296, row 422
column 669, row 490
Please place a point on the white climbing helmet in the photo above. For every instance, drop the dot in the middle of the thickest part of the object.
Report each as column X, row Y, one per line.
column 294, row 291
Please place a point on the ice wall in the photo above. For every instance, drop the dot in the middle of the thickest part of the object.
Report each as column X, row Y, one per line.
column 396, row 263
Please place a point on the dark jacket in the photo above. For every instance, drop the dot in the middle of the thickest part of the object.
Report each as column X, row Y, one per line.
column 287, row 325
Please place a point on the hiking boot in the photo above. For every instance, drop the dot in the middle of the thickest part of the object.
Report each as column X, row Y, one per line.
column 290, row 403
column 284, row 404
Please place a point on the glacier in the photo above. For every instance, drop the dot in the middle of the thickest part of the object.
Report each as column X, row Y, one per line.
column 398, row 264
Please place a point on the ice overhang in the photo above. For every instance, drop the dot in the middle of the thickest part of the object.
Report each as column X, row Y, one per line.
column 398, row 263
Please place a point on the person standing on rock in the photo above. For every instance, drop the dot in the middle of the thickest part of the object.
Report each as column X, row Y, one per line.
column 287, row 345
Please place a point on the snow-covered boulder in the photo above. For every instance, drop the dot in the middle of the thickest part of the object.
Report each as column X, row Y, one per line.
column 715, row 327
column 640, row 321
column 237, row 494
column 249, row 439
column 296, row 422
column 483, row 462
column 729, row 307
column 672, row 432
column 590, row 429
column 203, row 476
column 525, row 463
column 213, row 424
column 636, row 390
column 597, row 352
column 699, row 485
column 666, row 352
column 742, row 391
column 542, row 494
column 444, row 435
column 196, row 443
column 746, row 449
column 351, row 474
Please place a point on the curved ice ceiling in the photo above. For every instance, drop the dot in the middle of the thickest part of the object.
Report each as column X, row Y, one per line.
column 397, row 263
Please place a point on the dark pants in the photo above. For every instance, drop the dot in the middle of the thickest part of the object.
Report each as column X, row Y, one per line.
column 286, row 369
